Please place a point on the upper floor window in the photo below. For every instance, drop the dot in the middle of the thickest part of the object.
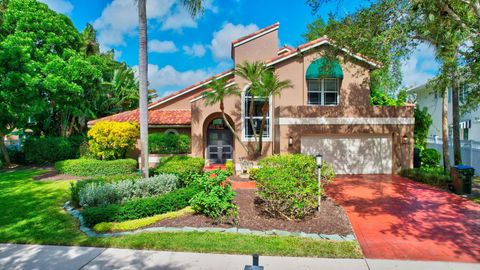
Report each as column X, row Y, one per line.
column 256, row 118
column 323, row 91
column 323, row 82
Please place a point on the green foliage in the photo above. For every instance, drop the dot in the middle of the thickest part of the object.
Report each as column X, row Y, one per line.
column 229, row 166
column 288, row 184
column 430, row 158
column 51, row 149
column 140, row 208
column 431, row 176
column 93, row 167
column 161, row 143
column 112, row 140
column 423, row 121
column 98, row 194
column 252, row 174
column 184, row 167
column 215, row 196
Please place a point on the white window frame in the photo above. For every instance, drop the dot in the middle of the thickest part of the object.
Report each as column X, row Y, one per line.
column 244, row 120
column 322, row 92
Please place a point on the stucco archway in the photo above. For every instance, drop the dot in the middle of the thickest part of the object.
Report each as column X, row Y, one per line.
column 218, row 140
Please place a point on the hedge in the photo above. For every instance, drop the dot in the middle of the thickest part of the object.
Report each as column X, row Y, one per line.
column 184, row 167
column 51, row 149
column 93, row 167
column 140, row 208
column 160, row 143
column 432, row 176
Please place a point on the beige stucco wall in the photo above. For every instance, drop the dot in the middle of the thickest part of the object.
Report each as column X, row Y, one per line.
column 260, row 49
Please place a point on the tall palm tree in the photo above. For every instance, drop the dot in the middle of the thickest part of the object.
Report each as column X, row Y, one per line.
column 194, row 7
column 219, row 92
column 270, row 85
column 252, row 72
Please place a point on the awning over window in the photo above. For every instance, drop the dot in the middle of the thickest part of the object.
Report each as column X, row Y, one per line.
column 324, row 68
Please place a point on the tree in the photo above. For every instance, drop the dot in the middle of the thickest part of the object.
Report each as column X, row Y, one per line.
column 423, row 121
column 194, row 7
column 219, row 92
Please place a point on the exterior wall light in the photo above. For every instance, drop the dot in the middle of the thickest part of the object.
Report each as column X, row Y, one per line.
column 405, row 139
column 290, row 142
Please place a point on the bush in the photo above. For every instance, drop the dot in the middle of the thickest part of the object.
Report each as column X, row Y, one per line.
column 288, row 184
column 112, row 140
column 98, row 194
column 430, row 158
column 93, row 167
column 185, row 168
column 215, row 198
column 140, row 208
column 252, row 174
column 431, row 176
column 51, row 149
column 229, row 167
column 160, row 143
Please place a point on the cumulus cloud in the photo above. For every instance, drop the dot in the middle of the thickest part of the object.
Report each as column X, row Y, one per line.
column 420, row 67
column 221, row 42
column 196, row 50
column 178, row 20
column 168, row 76
column 158, row 46
column 60, row 6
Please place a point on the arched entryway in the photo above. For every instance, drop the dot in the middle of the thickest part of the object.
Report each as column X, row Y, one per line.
column 219, row 141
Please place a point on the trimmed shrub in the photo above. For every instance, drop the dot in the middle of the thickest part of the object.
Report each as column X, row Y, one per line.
column 215, row 198
column 431, row 176
column 112, row 140
column 160, row 143
column 288, row 184
column 185, row 168
column 140, row 208
column 229, row 167
column 98, row 194
column 51, row 149
column 430, row 158
column 93, row 167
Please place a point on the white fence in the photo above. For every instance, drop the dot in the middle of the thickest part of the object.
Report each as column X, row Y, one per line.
column 470, row 151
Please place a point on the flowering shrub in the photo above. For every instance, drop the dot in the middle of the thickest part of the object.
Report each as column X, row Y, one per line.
column 112, row 140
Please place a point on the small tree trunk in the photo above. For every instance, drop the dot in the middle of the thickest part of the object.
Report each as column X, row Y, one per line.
column 446, row 158
column 265, row 108
column 250, row 113
column 143, row 82
column 457, row 153
column 6, row 157
column 222, row 109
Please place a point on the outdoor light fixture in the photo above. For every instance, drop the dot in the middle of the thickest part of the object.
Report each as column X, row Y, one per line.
column 290, row 141
column 405, row 139
column 319, row 160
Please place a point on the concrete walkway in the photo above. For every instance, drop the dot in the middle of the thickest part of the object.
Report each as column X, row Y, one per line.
column 60, row 257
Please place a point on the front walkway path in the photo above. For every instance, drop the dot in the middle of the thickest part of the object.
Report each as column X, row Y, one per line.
column 59, row 257
column 395, row 218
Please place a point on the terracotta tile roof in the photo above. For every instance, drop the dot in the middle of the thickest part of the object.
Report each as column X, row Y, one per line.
column 232, row 80
column 155, row 117
column 255, row 33
column 186, row 89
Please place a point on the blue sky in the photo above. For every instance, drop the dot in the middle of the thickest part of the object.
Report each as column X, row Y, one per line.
column 183, row 51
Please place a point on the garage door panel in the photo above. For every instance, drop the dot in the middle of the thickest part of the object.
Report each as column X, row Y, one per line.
column 352, row 155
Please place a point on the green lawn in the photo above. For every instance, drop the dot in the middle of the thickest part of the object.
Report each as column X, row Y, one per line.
column 31, row 212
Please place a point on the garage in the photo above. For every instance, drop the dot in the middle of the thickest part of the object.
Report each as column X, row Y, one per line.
column 366, row 154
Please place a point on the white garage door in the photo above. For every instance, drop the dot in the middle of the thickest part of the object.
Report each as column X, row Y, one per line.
column 352, row 155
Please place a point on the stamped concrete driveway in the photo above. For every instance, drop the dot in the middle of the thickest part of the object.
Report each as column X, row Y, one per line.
column 396, row 218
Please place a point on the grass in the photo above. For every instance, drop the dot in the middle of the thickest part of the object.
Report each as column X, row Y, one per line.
column 32, row 213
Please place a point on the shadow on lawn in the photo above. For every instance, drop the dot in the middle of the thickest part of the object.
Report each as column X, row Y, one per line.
column 413, row 209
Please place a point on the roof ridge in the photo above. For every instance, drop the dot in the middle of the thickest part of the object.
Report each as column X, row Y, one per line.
column 256, row 33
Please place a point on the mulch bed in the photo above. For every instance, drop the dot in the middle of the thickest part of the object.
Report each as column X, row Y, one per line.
column 332, row 219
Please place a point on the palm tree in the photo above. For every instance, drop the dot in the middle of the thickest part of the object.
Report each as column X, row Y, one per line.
column 252, row 72
column 194, row 7
column 270, row 85
column 219, row 92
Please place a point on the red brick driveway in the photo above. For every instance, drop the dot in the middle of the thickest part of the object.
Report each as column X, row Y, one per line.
column 395, row 218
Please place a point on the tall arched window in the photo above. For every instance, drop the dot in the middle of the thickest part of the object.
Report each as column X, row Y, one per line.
column 323, row 82
column 256, row 118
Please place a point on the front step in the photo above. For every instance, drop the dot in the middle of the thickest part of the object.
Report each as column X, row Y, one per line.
column 213, row 167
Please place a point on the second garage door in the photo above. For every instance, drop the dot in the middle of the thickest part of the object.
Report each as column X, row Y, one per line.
column 367, row 154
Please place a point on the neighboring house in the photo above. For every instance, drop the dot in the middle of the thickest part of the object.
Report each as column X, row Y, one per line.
column 432, row 100
column 327, row 111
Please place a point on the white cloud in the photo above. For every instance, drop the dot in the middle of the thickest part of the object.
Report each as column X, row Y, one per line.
column 178, row 20
column 161, row 77
column 196, row 50
column 420, row 67
column 221, row 42
column 60, row 6
column 162, row 46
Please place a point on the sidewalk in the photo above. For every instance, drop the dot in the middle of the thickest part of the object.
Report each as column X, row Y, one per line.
column 60, row 257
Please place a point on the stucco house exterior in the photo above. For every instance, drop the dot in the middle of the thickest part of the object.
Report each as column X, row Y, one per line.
column 328, row 114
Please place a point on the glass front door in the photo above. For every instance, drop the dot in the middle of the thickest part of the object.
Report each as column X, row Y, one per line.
column 219, row 142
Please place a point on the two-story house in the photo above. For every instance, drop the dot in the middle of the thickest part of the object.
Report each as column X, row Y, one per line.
column 327, row 111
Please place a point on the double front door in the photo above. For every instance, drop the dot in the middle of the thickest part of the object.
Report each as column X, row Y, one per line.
column 219, row 143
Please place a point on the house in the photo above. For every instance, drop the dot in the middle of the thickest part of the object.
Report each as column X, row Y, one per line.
column 327, row 111
column 433, row 101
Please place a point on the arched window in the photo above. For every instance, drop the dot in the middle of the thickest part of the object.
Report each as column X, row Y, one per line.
column 171, row 131
column 323, row 82
column 256, row 118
